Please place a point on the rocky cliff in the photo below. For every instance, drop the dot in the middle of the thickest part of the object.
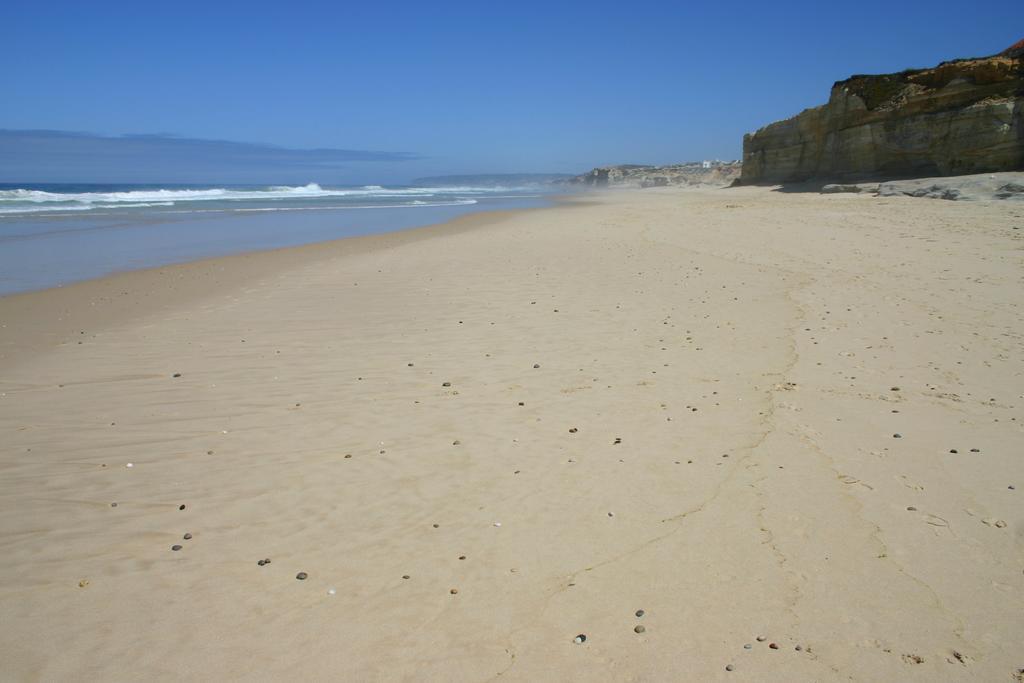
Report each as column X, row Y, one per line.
column 718, row 173
column 963, row 116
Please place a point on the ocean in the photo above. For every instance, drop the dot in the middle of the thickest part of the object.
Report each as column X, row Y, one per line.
column 54, row 234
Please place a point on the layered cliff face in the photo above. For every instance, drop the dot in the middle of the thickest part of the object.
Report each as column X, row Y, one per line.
column 964, row 116
column 717, row 173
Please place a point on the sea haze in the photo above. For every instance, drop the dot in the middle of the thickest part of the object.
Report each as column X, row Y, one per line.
column 53, row 234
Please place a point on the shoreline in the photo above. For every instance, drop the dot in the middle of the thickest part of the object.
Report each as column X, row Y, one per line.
column 109, row 296
column 779, row 432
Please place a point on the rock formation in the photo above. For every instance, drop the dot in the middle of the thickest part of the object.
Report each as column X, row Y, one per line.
column 717, row 173
column 960, row 117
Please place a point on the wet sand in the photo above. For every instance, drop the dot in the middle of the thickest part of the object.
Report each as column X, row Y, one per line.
column 763, row 419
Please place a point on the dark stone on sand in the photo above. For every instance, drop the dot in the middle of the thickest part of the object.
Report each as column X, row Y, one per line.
column 456, row 442
column 405, row 576
column 113, row 505
column 348, row 455
column 639, row 613
column 187, row 537
column 261, row 562
column 975, row 450
column 301, row 576
column 897, row 436
column 436, row 525
column 773, row 646
column 536, row 365
column 177, row 374
column 798, row 648
column 581, row 638
column 181, row 507
column 573, row 430
column 952, row 450
column 446, row 384
column 912, row 509
column 462, row 557
column 521, row 403
column 728, row 667
column 639, row 628
column 454, row 591
column 894, row 389
column 175, row 547
column 761, row 639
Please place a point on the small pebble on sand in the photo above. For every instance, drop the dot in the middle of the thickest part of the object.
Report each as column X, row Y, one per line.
column 83, row 583
column 301, row 576
column 581, row 638
column 639, row 628
column 187, row 537
column 454, row 591
column 773, row 646
column 405, row 576
column 175, row 547
column 761, row 639
column 446, row 384
column 536, row 365
column 748, row 646
column 897, row 436
column 181, row 507
column 113, row 505
column 640, row 613
column 728, row 667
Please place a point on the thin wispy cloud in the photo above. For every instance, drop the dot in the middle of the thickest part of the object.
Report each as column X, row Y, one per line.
column 83, row 157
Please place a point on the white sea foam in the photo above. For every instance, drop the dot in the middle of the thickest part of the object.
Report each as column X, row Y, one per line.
column 35, row 201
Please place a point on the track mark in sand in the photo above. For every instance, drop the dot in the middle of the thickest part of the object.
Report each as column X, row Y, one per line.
column 847, row 479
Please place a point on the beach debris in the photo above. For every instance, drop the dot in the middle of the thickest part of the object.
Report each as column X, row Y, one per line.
column 975, row 450
column 405, row 576
column 728, row 667
column 617, row 441
column 522, row 403
column 187, row 537
column 748, row 646
column 640, row 613
column 454, row 591
column 181, row 507
column 761, row 639
column 773, row 646
column 799, row 648
column 83, row 583
column 497, row 524
column 113, row 505
column 462, row 557
column 581, row 638
column 177, row 374
column 536, row 365
column 953, row 450
column 130, row 464
column 175, row 547
column 573, row 430
column 897, row 436
column 639, row 628
column 456, row 442
column 331, row 591
column 302, row 576
column 446, row 384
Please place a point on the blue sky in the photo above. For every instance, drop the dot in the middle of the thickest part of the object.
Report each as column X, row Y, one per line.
column 451, row 87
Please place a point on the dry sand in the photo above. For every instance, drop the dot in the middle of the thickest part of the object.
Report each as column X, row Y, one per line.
column 682, row 402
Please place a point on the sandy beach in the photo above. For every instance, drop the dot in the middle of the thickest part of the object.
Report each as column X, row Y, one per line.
column 719, row 434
